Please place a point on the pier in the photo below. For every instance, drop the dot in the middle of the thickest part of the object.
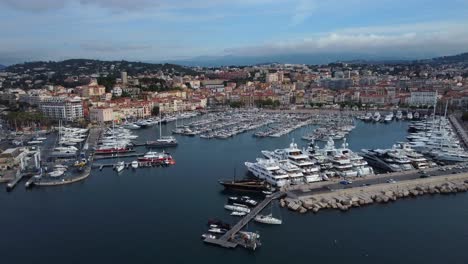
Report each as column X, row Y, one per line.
column 226, row 239
column 460, row 131
column 445, row 180
column 11, row 185
column 114, row 156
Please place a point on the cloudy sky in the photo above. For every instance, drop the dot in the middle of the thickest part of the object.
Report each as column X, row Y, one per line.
column 156, row 30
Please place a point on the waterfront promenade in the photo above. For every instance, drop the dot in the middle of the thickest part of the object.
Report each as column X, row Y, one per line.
column 361, row 192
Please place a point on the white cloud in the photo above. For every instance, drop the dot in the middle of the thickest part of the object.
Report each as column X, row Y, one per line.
column 437, row 38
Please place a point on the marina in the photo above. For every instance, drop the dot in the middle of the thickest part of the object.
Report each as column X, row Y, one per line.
column 319, row 167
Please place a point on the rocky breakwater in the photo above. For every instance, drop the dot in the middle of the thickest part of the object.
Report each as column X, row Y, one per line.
column 383, row 193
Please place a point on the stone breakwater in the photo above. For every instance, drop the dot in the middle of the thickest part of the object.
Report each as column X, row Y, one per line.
column 382, row 193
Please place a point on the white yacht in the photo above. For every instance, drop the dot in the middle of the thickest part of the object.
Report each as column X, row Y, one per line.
column 417, row 159
column 388, row 118
column 295, row 173
column 120, row 166
column 376, row 117
column 409, row 116
column 399, row 115
column 361, row 166
column 131, row 126
column 268, row 219
column 269, row 170
column 298, row 158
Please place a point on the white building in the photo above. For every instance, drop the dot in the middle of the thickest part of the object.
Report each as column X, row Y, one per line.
column 271, row 77
column 123, row 76
column 117, row 91
column 63, row 108
column 423, row 98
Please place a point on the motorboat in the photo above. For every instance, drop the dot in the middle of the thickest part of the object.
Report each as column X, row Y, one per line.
column 163, row 142
column 120, row 166
column 236, row 213
column 131, row 126
column 237, row 208
column 217, row 230
column 245, row 200
column 376, row 117
column 269, row 170
column 157, row 157
column 134, row 164
column 268, row 219
column 210, row 236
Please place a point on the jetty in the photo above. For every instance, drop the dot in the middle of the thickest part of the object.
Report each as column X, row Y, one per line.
column 227, row 240
column 361, row 195
column 460, row 131
column 116, row 156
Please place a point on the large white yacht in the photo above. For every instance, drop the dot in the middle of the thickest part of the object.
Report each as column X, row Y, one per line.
column 298, row 158
column 269, row 170
column 361, row 166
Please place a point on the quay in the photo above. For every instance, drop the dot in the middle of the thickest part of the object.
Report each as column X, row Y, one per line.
column 337, row 196
column 85, row 175
column 113, row 156
column 12, row 184
column 227, row 239
column 141, row 164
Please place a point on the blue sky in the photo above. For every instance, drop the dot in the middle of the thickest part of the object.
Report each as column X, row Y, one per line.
column 155, row 30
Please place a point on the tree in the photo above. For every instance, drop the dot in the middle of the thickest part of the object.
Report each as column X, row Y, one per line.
column 108, row 82
column 155, row 110
column 236, row 104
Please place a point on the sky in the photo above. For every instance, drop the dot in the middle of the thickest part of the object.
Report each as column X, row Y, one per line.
column 159, row 30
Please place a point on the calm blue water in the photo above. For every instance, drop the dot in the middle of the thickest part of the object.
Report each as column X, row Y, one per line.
column 157, row 215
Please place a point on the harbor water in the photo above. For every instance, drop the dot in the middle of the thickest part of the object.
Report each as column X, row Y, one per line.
column 156, row 215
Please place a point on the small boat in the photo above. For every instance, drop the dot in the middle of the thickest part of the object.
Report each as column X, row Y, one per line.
column 237, row 208
column 244, row 200
column 219, row 223
column 267, row 192
column 217, row 230
column 205, row 236
column 236, row 213
column 120, row 166
column 268, row 219
column 135, row 164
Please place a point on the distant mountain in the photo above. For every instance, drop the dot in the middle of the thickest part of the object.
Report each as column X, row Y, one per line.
column 310, row 59
column 459, row 58
column 2, row 67
column 317, row 59
column 86, row 66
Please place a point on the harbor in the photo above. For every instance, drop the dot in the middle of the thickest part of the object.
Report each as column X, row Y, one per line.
column 190, row 174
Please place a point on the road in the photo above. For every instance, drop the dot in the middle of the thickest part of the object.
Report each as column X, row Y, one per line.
column 383, row 178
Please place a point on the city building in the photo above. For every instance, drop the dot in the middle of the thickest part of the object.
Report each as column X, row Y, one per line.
column 101, row 114
column 62, row 108
column 123, row 76
column 428, row 98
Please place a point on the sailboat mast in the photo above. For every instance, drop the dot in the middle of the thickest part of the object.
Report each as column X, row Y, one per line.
column 160, row 130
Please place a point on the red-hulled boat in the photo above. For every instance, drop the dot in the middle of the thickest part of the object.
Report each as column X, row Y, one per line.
column 112, row 150
column 156, row 157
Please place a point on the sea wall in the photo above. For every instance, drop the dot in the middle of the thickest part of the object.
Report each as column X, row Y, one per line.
column 382, row 193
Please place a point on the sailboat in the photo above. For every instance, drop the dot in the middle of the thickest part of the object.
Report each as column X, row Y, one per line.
column 268, row 219
column 162, row 141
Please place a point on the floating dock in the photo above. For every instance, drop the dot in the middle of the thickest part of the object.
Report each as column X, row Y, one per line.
column 114, row 156
column 227, row 240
